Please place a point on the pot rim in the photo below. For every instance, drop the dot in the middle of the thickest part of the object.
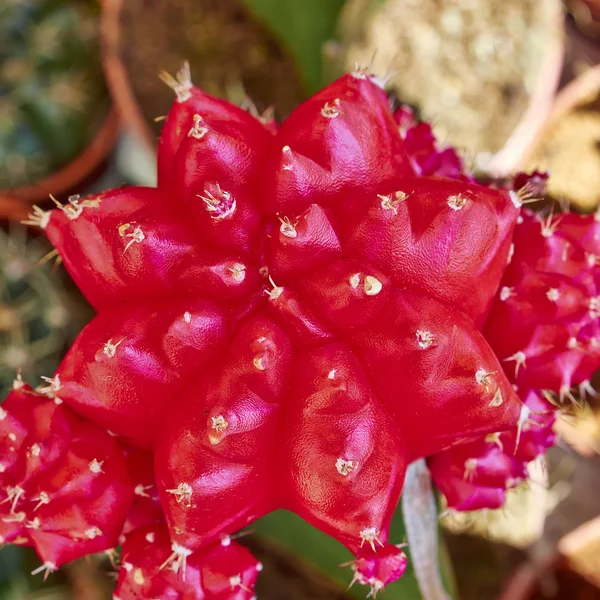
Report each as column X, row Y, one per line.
column 75, row 171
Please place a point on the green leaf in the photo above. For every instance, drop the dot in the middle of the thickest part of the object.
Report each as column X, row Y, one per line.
column 326, row 554
column 303, row 26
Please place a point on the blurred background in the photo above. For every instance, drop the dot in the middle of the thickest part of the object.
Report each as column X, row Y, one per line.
column 514, row 84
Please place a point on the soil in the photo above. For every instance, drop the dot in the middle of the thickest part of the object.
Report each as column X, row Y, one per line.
column 230, row 54
column 469, row 65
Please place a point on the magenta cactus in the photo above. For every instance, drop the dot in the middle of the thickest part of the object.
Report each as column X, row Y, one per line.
column 223, row 571
column 66, row 481
column 289, row 320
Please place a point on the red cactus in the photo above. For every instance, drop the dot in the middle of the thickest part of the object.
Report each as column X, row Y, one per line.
column 422, row 148
column 146, row 508
column 479, row 474
column 550, row 301
column 288, row 321
column 550, row 298
column 224, row 571
column 66, row 485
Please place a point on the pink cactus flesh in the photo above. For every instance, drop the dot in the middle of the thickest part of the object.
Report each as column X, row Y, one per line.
column 288, row 321
column 223, row 571
column 549, row 301
column 67, row 489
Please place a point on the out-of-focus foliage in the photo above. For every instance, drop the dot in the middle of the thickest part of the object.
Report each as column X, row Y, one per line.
column 304, row 27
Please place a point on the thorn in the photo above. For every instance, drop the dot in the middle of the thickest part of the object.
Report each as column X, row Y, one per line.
column 183, row 494
column 525, row 195
column 218, row 203
column 268, row 116
column 178, row 558
column 549, row 396
column 93, row 532
column 376, row 587
column 236, row 582
column 391, row 201
column 37, row 218
column 48, row 257
column 43, row 498
column 287, row 228
column 511, row 253
column 275, row 291
column 345, row 467
column 424, row 338
column 470, row 469
column 110, row 349
column 181, row 84
column 46, row 568
column 548, row 228
column 54, row 385
column 113, row 558
column 137, row 236
column 482, row 377
column 56, row 202
column 140, row 490
column 34, row 450
column 520, row 359
column 585, row 388
column 198, row 130
column 370, row 535
column 523, row 419
column 96, row 466
column 494, row 438
column 219, row 423
column 14, row 494
column 331, row 109
column 565, row 392
column 457, row 202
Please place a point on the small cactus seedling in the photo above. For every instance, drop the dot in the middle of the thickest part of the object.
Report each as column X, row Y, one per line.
column 294, row 317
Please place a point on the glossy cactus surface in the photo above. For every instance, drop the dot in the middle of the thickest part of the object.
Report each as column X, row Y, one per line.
column 288, row 321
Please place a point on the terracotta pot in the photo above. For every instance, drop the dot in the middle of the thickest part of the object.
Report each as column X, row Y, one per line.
column 117, row 77
column 527, row 132
column 12, row 209
column 69, row 177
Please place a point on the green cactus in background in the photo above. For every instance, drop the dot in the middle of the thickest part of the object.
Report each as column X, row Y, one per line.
column 304, row 28
column 52, row 91
column 37, row 317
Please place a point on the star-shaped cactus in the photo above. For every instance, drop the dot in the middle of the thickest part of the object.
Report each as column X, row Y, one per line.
column 290, row 319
